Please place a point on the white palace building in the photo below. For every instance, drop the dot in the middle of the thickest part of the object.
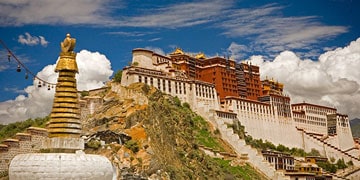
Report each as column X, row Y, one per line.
column 223, row 91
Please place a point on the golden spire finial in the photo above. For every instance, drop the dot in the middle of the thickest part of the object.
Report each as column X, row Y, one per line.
column 68, row 45
column 201, row 55
column 178, row 51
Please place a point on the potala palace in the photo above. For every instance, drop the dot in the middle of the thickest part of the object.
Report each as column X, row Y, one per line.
column 223, row 90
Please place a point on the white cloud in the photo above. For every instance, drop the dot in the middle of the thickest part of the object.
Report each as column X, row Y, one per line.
column 129, row 34
column 270, row 31
column 154, row 39
column 237, row 50
column 16, row 90
column 156, row 50
column 267, row 29
column 43, row 41
column 30, row 40
column 16, row 13
column 333, row 80
column 101, row 12
column 178, row 15
column 94, row 70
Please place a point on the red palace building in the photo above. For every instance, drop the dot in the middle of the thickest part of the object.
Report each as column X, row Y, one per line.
column 229, row 77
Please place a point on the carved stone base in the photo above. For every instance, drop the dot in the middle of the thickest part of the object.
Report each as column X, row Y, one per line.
column 57, row 144
column 60, row 166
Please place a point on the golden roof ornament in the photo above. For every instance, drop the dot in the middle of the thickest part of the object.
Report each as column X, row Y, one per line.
column 178, row 51
column 67, row 59
column 68, row 45
column 201, row 55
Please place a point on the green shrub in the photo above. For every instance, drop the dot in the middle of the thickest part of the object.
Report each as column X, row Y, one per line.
column 327, row 166
column 186, row 105
column 340, row 164
column 145, row 88
column 84, row 93
column 177, row 101
column 314, row 152
column 118, row 76
column 94, row 144
column 4, row 174
column 132, row 145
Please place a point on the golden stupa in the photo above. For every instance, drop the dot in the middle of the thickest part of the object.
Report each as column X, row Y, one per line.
column 65, row 114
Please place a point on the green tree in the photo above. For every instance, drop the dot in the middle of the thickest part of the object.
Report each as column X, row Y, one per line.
column 281, row 148
column 327, row 166
column 341, row 164
column 314, row 152
column 13, row 128
column 118, row 76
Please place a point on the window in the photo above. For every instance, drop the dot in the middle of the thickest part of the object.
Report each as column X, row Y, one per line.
column 163, row 83
column 184, row 88
column 169, row 85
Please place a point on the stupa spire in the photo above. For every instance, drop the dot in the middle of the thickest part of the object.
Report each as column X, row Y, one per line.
column 65, row 114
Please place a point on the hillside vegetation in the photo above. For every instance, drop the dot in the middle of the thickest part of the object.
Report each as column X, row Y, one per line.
column 166, row 140
column 8, row 131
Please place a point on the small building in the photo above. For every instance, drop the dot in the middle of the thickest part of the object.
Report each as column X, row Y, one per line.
column 309, row 170
column 281, row 161
column 307, row 176
column 315, row 159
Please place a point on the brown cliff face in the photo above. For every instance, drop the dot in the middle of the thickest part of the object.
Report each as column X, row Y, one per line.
column 167, row 138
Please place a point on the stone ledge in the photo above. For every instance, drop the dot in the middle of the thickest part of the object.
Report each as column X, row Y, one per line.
column 64, row 143
column 61, row 166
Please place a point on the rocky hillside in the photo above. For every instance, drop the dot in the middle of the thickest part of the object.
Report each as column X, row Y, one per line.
column 156, row 136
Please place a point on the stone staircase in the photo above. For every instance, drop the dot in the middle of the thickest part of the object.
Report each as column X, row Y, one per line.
column 329, row 145
column 343, row 174
column 255, row 158
column 347, row 172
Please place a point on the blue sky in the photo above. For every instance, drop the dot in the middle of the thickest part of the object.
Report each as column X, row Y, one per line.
column 262, row 31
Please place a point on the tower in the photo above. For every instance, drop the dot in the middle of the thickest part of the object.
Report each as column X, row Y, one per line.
column 64, row 130
column 64, row 126
column 65, row 114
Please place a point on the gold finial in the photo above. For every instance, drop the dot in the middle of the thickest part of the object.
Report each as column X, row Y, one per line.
column 201, row 55
column 178, row 51
column 68, row 45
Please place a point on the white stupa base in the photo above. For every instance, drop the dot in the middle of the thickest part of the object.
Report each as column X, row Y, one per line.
column 58, row 143
column 60, row 166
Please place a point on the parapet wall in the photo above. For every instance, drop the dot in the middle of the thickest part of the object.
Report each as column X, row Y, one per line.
column 28, row 142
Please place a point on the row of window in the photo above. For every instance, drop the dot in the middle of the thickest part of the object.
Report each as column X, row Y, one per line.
column 304, row 121
column 161, row 60
column 245, row 106
column 226, row 115
column 180, row 87
column 314, row 109
column 204, row 91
